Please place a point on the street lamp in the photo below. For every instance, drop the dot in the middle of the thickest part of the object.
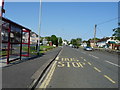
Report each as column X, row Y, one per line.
column 39, row 27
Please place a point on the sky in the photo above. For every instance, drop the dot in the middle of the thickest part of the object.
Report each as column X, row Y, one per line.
column 65, row 19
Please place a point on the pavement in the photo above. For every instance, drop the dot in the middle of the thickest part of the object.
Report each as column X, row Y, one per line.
column 107, row 50
column 25, row 73
column 76, row 68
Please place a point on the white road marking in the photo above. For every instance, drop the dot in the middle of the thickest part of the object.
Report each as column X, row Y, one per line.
column 90, row 55
column 112, row 63
column 94, row 56
column 83, row 52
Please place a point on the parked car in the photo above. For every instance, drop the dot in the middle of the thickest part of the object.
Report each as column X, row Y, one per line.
column 75, row 46
column 87, row 48
column 70, row 45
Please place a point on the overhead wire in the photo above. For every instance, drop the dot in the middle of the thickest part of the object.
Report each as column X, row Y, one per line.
column 100, row 32
column 108, row 21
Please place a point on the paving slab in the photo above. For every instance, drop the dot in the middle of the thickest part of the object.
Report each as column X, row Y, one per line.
column 19, row 75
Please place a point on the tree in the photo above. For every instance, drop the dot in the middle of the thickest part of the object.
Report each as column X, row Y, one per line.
column 48, row 38
column 73, row 41
column 93, row 39
column 60, row 41
column 41, row 39
column 117, row 33
column 76, row 42
column 54, row 40
column 79, row 41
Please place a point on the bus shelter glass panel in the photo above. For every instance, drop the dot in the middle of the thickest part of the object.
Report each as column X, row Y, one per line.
column 4, row 39
column 25, row 43
column 15, row 43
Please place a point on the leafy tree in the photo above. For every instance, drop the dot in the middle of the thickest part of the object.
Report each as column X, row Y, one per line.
column 41, row 39
column 79, row 41
column 93, row 39
column 117, row 33
column 54, row 40
column 60, row 41
column 76, row 42
column 85, row 41
column 48, row 38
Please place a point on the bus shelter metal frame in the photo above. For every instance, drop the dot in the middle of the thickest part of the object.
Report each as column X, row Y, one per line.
column 9, row 43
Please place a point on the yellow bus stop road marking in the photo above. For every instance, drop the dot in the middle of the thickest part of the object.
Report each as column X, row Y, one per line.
column 81, row 57
column 109, row 79
column 89, row 63
column 57, row 58
column 84, row 59
column 80, row 64
column 83, row 63
column 97, row 69
column 49, row 76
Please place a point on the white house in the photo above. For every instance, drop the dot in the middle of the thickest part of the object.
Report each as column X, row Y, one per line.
column 84, row 44
column 44, row 41
column 112, row 40
column 33, row 38
column 114, row 44
column 64, row 42
column 107, row 42
column 102, row 42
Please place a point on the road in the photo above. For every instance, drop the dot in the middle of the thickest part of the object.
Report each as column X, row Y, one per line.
column 76, row 68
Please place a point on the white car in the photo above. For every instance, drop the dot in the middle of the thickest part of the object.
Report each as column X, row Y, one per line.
column 87, row 48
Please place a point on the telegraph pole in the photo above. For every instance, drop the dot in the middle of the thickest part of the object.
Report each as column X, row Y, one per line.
column 95, row 34
column 39, row 27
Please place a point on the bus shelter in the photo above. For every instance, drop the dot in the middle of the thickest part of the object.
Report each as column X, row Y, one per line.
column 12, row 40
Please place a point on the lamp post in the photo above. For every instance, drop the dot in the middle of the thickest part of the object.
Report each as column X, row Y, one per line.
column 39, row 27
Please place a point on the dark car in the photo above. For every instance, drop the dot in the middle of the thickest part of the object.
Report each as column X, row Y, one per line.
column 87, row 48
column 75, row 46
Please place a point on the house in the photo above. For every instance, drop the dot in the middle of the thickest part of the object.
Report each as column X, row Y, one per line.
column 45, row 42
column 113, row 43
column 102, row 42
column 33, row 38
column 108, row 42
column 92, row 43
column 64, row 42
column 84, row 44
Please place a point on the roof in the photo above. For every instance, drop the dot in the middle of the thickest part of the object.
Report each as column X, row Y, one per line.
column 111, row 42
column 92, row 41
column 9, row 21
column 103, row 39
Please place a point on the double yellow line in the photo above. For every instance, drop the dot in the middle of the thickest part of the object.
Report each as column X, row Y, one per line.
column 49, row 76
